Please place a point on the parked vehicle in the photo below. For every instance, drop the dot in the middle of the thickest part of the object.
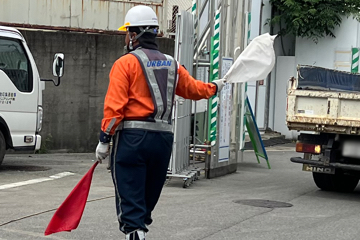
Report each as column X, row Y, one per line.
column 326, row 104
column 21, row 89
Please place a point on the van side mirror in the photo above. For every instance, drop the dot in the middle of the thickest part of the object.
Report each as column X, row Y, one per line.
column 57, row 69
column 58, row 65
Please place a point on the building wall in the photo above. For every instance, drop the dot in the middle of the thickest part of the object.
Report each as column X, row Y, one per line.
column 324, row 54
column 73, row 111
column 285, row 68
column 328, row 52
column 263, row 96
column 257, row 94
column 182, row 4
column 83, row 14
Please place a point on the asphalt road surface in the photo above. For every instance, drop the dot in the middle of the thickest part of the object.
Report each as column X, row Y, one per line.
column 33, row 186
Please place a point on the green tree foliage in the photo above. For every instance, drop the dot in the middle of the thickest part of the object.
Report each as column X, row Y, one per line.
column 312, row 18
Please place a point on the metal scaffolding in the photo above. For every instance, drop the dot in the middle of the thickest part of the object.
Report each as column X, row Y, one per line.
column 218, row 32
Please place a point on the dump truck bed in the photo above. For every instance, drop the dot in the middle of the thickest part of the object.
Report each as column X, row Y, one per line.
column 331, row 111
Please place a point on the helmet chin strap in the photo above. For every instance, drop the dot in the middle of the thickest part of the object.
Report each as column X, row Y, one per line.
column 142, row 31
column 131, row 45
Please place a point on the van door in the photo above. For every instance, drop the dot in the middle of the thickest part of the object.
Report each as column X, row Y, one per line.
column 18, row 92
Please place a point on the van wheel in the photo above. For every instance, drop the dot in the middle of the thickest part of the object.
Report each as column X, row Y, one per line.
column 2, row 147
column 338, row 182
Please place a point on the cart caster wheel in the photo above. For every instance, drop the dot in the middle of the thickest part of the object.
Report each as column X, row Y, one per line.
column 187, row 183
column 196, row 176
column 167, row 181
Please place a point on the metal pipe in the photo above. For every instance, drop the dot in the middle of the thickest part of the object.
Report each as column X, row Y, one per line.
column 269, row 83
column 200, row 152
column 212, row 24
column 176, row 56
column 212, row 17
column 256, row 99
column 201, row 39
column 219, row 4
column 201, row 146
column 195, row 75
column 202, row 43
column 257, row 82
column 202, row 64
column 204, row 61
column 242, row 96
column 203, row 7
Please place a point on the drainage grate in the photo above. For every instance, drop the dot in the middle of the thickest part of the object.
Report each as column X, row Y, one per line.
column 263, row 203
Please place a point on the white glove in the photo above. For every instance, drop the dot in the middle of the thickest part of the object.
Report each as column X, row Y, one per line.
column 102, row 151
column 220, row 84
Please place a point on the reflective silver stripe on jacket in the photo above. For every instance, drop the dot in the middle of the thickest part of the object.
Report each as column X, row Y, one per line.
column 111, row 124
column 152, row 126
column 161, row 113
column 170, row 91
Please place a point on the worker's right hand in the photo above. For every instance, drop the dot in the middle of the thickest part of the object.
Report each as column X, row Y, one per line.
column 220, row 84
column 102, row 151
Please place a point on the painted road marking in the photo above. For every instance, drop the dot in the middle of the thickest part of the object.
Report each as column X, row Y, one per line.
column 35, row 235
column 36, row 180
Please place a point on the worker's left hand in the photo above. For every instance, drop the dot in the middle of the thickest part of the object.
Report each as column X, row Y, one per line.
column 220, row 84
column 102, row 151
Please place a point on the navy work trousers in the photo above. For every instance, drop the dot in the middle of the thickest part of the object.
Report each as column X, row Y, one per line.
column 139, row 165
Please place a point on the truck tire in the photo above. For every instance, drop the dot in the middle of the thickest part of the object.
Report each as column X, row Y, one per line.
column 338, row 182
column 2, row 147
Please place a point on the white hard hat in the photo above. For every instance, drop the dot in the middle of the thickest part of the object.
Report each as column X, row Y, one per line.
column 140, row 16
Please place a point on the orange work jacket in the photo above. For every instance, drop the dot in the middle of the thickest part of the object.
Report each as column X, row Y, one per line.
column 128, row 95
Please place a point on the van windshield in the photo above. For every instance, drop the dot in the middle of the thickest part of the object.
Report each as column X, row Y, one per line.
column 15, row 64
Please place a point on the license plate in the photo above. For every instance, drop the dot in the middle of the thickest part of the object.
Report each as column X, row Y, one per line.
column 351, row 149
column 312, row 168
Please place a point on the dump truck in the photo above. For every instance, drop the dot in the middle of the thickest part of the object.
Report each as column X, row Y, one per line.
column 21, row 111
column 324, row 105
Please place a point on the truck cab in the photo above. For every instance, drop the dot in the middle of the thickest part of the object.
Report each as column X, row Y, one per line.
column 21, row 89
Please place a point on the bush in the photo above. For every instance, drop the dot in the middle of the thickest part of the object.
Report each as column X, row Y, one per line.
column 312, row 19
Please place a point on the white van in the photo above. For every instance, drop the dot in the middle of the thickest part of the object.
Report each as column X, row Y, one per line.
column 21, row 89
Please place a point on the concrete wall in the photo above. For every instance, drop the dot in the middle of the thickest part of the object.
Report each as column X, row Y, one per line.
column 73, row 111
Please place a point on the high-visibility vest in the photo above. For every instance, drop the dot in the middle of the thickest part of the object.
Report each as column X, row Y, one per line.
column 160, row 71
